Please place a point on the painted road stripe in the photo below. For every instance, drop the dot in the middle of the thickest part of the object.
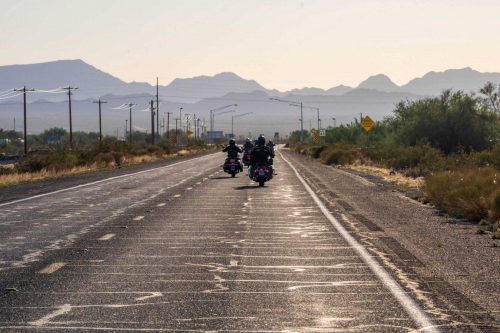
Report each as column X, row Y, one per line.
column 49, row 269
column 138, row 218
column 98, row 182
column 410, row 306
column 106, row 237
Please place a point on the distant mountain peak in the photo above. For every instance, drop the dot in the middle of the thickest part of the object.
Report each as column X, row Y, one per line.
column 379, row 82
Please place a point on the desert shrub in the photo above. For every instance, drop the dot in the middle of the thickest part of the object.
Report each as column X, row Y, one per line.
column 6, row 171
column 471, row 193
column 30, row 163
column 300, row 149
column 340, row 154
column 156, row 151
column 104, row 159
column 315, row 151
column 418, row 160
column 118, row 157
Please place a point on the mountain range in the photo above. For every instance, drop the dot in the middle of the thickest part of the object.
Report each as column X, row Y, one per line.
column 94, row 83
column 376, row 96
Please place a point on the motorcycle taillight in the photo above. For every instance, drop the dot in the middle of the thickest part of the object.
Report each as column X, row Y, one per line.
column 261, row 169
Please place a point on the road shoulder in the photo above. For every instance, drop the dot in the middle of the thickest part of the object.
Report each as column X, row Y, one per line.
column 438, row 256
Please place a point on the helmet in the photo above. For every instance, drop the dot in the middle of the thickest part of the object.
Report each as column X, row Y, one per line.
column 232, row 142
column 261, row 140
column 248, row 140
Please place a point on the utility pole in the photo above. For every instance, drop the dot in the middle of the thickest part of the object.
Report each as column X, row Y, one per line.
column 69, row 88
column 126, row 126
column 153, row 123
column 168, row 124
column 319, row 120
column 301, row 123
column 176, row 132
column 24, row 90
column 130, row 124
column 180, row 124
column 157, row 108
column 100, row 123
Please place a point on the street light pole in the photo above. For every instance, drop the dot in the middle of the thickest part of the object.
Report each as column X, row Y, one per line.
column 212, row 115
column 237, row 116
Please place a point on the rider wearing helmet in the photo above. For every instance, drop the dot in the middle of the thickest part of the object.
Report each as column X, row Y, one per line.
column 232, row 150
column 261, row 154
column 270, row 145
column 248, row 144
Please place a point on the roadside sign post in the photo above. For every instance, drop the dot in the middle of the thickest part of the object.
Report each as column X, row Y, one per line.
column 367, row 123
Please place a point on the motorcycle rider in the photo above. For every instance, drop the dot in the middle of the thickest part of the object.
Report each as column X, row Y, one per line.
column 270, row 145
column 247, row 148
column 248, row 145
column 261, row 154
column 232, row 152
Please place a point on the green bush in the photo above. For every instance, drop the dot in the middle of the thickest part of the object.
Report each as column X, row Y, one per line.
column 340, row 154
column 471, row 193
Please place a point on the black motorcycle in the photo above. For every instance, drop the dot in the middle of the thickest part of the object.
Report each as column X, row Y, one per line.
column 232, row 166
column 261, row 173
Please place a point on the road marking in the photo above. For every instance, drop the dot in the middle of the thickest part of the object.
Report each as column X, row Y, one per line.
column 45, row 320
column 161, row 204
column 410, row 306
column 49, row 269
column 151, row 295
column 177, row 196
column 106, row 237
column 99, row 182
column 138, row 218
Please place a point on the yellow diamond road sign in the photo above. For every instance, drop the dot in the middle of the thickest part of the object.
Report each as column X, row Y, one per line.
column 367, row 123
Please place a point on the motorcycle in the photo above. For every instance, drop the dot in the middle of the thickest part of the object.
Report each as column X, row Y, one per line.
column 232, row 166
column 261, row 173
column 246, row 158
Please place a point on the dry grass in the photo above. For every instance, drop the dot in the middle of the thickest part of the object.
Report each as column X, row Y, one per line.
column 17, row 178
column 395, row 177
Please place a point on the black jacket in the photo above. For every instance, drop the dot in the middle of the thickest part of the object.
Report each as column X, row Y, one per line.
column 261, row 155
column 232, row 151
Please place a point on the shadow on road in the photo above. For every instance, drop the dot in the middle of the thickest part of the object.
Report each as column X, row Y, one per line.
column 221, row 177
column 248, row 187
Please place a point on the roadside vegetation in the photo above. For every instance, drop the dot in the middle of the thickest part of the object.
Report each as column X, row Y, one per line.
column 450, row 142
column 53, row 159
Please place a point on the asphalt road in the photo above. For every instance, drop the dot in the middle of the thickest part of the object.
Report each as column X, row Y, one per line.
column 187, row 248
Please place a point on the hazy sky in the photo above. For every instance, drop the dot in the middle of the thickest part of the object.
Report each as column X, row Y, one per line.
column 282, row 44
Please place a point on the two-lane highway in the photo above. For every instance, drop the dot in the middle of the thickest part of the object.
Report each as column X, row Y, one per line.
column 187, row 248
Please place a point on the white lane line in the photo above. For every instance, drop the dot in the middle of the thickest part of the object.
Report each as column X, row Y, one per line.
column 138, row 218
column 45, row 320
column 161, row 204
column 152, row 294
column 99, row 182
column 410, row 306
column 106, row 237
column 49, row 269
